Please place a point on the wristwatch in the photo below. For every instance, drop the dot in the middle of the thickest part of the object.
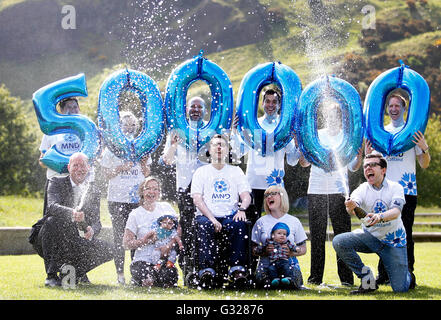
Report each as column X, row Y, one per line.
column 242, row 209
column 425, row 151
column 381, row 218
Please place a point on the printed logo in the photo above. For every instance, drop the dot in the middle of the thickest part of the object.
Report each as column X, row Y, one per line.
column 408, row 181
column 275, row 178
column 220, row 186
column 221, row 193
column 379, row 206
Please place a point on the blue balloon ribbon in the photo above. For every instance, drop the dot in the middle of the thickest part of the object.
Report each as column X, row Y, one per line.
column 343, row 93
column 181, row 78
column 252, row 83
column 375, row 103
column 109, row 120
column 51, row 122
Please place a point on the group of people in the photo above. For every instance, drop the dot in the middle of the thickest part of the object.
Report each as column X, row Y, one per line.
column 220, row 220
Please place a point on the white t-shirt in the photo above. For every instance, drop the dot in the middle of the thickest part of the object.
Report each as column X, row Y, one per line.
column 124, row 187
column 66, row 143
column 263, row 172
column 187, row 161
column 388, row 196
column 220, row 188
column 322, row 182
column 140, row 222
column 402, row 167
column 263, row 226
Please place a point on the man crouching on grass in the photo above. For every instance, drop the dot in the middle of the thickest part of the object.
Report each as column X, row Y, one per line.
column 384, row 232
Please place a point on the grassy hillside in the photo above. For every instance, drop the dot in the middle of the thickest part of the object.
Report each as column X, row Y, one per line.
column 312, row 37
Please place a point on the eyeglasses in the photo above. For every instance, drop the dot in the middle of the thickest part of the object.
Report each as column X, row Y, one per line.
column 266, row 195
column 371, row 165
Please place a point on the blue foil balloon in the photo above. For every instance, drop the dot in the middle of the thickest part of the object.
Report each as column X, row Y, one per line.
column 375, row 103
column 181, row 78
column 252, row 83
column 149, row 95
column 51, row 122
column 318, row 92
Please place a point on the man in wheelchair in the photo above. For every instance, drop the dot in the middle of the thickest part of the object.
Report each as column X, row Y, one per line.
column 221, row 194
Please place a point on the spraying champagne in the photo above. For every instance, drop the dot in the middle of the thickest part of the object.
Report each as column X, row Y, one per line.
column 82, row 225
column 362, row 215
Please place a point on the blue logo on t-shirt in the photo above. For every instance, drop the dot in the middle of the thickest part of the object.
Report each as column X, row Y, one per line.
column 408, row 181
column 379, row 206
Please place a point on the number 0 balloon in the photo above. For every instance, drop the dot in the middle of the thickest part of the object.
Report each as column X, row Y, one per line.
column 178, row 83
column 418, row 113
column 108, row 114
column 247, row 104
column 322, row 90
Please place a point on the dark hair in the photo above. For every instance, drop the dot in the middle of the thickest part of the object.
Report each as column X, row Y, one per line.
column 63, row 102
column 383, row 162
column 224, row 137
column 272, row 92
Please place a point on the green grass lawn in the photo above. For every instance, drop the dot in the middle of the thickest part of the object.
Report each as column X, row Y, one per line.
column 22, row 277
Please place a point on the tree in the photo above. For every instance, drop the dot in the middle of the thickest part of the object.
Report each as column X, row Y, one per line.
column 19, row 170
column 428, row 180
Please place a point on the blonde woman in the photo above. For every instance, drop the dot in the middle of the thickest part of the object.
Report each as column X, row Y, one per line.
column 276, row 205
column 141, row 235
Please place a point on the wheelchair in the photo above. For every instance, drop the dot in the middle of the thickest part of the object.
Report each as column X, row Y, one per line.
column 188, row 259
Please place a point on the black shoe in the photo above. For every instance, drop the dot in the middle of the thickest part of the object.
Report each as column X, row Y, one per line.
column 412, row 281
column 84, row 280
column 362, row 290
column 206, row 280
column 52, row 281
column 239, row 280
column 382, row 280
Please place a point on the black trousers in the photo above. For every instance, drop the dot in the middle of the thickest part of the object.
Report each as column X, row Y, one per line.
column 164, row 277
column 408, row 218
column 61, row 244
column 319, row 205
column 119, row 213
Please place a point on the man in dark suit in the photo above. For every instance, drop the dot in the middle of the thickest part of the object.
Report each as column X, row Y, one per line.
column 73, row 208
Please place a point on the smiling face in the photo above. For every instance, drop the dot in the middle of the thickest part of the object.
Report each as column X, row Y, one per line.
column 70, row 107
column 78, row 167
column 151, row 191
column 167, row 224
column 373, row 172
column 280, row 235
column 273, row 200
column 395, row 108
column 129, row 125
column 271, row 104
column 195, row 109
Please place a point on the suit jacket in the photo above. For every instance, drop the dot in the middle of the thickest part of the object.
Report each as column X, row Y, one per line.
column 60, row 198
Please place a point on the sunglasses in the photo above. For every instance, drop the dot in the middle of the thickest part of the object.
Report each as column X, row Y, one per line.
column 371, row 165
column 266, row 195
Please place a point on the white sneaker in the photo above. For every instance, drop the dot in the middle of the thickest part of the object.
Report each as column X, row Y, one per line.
column 121, row 279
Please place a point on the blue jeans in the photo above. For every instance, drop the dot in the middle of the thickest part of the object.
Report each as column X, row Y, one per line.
column 294, row 273
column 395, row 259
column 236, row 242
column 279, row 268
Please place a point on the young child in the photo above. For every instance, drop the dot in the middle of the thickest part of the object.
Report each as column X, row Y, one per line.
column 279, row 267
column 166, row 228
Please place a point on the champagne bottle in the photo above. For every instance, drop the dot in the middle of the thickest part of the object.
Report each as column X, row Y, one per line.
column 362, row 215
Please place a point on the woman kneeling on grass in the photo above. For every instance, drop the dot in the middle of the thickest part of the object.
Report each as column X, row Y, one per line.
column 276, row 204
column 152, row 230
